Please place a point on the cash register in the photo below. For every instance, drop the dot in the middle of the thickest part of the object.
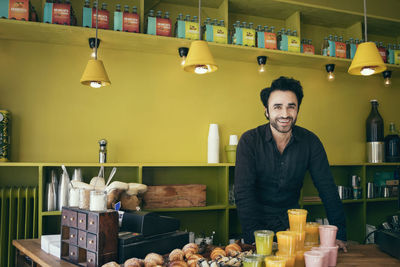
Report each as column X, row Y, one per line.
column 143, row 232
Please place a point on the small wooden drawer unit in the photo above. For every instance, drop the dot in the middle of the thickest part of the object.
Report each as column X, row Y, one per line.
column 89, row 238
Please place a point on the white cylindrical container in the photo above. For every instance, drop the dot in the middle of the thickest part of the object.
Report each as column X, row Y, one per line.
column 233, row 140
column 73, row 197
column 213, row 144
column 98, row 200
column 84, row 198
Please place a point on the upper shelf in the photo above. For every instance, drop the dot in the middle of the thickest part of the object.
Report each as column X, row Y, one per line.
column 78, row 36
column 319, row 13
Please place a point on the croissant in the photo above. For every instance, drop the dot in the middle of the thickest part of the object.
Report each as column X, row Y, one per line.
column 177, row 264
column 233, row 250
column 193, row 260
column 190, row 249
column 217, row 252
column 153, row 259
column 176, row 255
column 134, row 262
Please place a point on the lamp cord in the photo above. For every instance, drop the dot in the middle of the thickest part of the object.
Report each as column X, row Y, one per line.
column 97, row 18
column 199, row 19
column 365, row 20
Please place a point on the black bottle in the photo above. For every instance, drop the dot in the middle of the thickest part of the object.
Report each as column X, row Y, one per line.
column 392, row 145
column 375, row 138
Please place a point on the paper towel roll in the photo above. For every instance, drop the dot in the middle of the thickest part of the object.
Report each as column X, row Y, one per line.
column 213, row 144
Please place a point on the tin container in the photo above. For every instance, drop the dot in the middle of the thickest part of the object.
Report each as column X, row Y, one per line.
column 370, row 190
column 5, row 127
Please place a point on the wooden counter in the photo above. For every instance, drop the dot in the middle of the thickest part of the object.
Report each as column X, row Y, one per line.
column 358, row 255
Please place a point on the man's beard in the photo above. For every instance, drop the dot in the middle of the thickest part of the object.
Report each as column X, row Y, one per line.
column 275, row 124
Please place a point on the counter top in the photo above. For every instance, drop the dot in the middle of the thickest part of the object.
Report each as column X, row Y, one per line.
column 358, row 255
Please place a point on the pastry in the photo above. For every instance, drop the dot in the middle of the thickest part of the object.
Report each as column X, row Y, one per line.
column 190, row 249
column 176, row 255
column 177, row 264
column 153, row 259
column 217, row 253
column 233, row 250
column 111, row 264
column 134, row 262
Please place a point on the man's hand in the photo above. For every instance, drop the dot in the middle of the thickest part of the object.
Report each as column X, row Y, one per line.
column 341, row 244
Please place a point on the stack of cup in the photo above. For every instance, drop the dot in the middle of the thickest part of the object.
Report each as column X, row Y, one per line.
column 231, row 149
column 287, row 246
column 252, row 261
column 312, row 234
column 275, row 261
column 297, row 222
column 264, row 239
column 328, row 247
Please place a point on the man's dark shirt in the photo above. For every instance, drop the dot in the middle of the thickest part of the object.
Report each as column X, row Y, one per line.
column 268, row 183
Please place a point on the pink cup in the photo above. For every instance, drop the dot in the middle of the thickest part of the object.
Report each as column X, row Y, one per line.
column 314, row 258
column 326, row 254
column 327, row 235
column 333, row 252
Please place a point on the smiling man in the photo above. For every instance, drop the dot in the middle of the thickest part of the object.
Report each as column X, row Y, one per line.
column 271, row 162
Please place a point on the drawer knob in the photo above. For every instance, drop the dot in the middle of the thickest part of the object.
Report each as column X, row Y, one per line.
column 64, row 217
column 91, row 242
column 90, row 260
column 91, row 222
column 72, row 253
column 72, row 218
column 80, row 221
column 72, row 236
column 81, row 239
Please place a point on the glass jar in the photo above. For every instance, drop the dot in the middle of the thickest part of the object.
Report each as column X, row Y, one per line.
column 84, row 198
column 98, row 200
column 73, row 197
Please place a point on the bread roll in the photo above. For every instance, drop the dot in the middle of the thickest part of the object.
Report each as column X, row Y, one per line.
column 134, row 262
column 153, row 259
column 176, row 255
column 111, row 264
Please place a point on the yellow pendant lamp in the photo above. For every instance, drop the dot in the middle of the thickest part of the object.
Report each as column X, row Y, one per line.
column 367, row 60
column 95, row 75
column 199, row 59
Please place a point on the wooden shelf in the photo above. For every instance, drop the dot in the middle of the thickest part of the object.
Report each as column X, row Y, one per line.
column 78, row 36
column 382, row 199
column 211, row 207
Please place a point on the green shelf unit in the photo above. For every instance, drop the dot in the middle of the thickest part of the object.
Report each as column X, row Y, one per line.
column 378, row 212
column 208, row 207
column 51, row 213
column 382, row 199
column 204, row 223
column 214, row 177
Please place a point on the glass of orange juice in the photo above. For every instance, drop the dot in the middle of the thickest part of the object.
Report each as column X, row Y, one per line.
column 264, row 240
column 275, row 261
column 300, row 238
column 297, row 219
column 286, row 242
column 290, row 259
column 312, row 234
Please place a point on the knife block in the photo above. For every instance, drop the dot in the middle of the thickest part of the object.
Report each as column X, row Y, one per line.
column 89, row 238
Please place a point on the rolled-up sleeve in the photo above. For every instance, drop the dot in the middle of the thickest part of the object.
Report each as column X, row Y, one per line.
column 245, row 182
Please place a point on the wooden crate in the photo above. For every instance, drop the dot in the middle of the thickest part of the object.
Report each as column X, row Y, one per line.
column 175, row 196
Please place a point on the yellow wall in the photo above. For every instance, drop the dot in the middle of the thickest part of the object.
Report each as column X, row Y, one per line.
column 155, row 112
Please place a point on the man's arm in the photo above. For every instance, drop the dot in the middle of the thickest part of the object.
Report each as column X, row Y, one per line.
column 323, row 181
column 245, row 184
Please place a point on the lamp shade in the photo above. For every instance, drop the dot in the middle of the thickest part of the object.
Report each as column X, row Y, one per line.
column 199, row 59
column 367, row 57
column 95, row 73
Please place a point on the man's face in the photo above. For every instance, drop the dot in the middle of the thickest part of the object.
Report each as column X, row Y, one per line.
column 282, row 110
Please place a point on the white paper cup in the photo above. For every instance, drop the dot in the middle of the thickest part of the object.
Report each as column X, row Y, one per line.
column 233, row 140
